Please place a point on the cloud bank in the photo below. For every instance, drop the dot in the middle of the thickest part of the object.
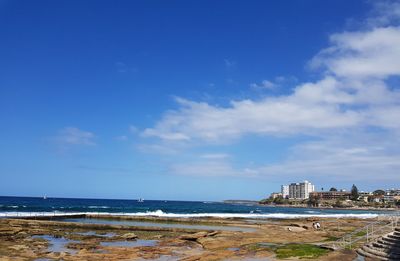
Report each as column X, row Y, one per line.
column 353, row 112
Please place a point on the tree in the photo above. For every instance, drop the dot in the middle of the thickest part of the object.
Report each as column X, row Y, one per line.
column 339, row 203
column 313, row 201
column 333, row 189
column 379, row 192
column 278, row 200
column 354, row 192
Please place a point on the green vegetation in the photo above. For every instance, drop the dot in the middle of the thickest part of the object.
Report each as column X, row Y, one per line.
column 360, row 234
column 258, row 247
column 277, row 201
column 300, row 250
column 331, row 238
column 354, row 192
column 313, row 201
column 379, row 192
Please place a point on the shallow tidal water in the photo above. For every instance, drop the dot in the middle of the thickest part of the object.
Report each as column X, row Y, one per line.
column 58, row 244
column 157, row 224
column 135, row 243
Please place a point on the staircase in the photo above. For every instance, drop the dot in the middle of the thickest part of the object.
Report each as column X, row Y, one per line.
column 386, row 247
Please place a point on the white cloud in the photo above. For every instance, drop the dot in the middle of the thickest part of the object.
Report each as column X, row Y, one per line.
column 210, row 165
column 215, row 156
column 384, row 13
column 351, row 157
column 313, row 107
column 263, row 85
column 121, row 138
column 229, row 64
column 171, row 136
column 279, row 81
column 352, row 98
column 75, row 136
column 124, row 68
column 352, row 94
column 369, row 54
column 205, row 168
column 133, row 129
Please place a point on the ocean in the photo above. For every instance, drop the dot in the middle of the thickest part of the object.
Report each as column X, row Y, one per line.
column 30, row 206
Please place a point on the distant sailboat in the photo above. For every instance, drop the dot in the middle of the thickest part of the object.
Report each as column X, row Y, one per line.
column 140, row 200
column 44, row 197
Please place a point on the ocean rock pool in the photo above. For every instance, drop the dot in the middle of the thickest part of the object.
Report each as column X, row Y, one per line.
column 58, row 244
column 157, row 224
column 136, row 243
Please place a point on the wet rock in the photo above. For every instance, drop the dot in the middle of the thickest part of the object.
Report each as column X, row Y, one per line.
column 193, row 237
column 129, row 236
column 19, row 247
column 217, row 243
column 211, row 234
column 9, row 231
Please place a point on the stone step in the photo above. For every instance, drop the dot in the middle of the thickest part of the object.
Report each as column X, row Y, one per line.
column 388, row 243
column 396, row 233
column 397, row 229
column 361, row 252
column 375, row 252
column 393, row 249
column 391, row 240
column 372, row 250
column 397, row 237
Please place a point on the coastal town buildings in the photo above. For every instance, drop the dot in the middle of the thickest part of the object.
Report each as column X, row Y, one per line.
column 275, row 195
column 297, row 190
column 331, row 195
column 364, row 196
column 285, row 191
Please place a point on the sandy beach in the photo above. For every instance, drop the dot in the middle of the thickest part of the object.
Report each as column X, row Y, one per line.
column 104, row 237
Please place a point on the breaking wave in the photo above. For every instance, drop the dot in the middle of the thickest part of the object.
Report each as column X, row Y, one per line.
column 98, row 207
column 160, row 213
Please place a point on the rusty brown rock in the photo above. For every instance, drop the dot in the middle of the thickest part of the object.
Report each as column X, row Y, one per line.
column 129, row 236
column 193, row 237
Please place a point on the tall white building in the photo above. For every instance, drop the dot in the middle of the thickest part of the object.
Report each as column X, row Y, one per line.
column 300, row 190
column 285, row 191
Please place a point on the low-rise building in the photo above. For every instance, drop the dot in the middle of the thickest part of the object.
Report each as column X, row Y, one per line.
column 388, row 198
column 331, row 195
column 275, row 195
column 364, row 196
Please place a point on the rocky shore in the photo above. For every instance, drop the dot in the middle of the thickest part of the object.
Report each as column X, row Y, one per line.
column 330, row 207
column 27, row 239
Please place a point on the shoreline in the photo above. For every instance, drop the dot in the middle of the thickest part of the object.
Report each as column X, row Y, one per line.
column 334, row 208
column 160, row 215
column 303, row 206
column 31, row 239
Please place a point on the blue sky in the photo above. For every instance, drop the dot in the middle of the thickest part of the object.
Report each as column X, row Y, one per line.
column 197, row 100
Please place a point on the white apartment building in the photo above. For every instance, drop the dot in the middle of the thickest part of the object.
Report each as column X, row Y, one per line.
column 285, row 191
column 299, row 190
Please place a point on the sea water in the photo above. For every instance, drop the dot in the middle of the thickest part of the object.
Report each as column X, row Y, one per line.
column 28, row 206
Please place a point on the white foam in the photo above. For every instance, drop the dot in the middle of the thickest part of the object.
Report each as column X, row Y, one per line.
column 37, row 214
column 160, row 213
column 98, row 207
